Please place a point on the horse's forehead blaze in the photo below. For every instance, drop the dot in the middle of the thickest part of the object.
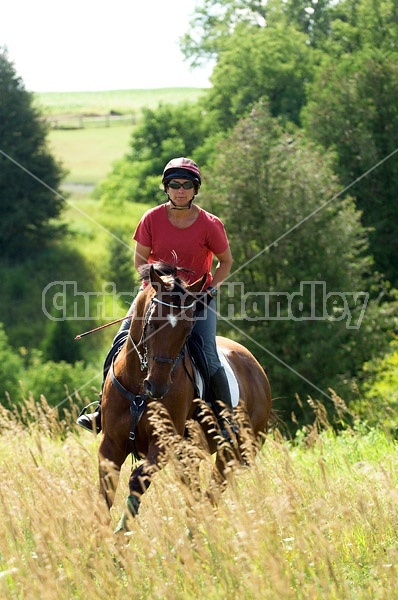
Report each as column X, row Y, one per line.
column 172, row 319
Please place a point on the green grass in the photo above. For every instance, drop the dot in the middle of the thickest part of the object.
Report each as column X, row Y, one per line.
column 121, row 101
column 88, row 153
column 92, row 224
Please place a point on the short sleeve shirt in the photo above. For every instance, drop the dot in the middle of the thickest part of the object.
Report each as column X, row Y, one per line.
column 192, row 247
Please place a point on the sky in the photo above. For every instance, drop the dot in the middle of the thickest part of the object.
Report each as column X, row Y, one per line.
column 96, row 45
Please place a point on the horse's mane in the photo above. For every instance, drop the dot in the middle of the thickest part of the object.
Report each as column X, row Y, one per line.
column 167, row 271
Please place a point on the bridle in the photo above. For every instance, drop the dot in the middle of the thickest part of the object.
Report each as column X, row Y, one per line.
column 143, row 357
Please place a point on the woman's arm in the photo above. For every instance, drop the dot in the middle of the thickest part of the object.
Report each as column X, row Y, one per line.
column 223, row 268
column 141, row 255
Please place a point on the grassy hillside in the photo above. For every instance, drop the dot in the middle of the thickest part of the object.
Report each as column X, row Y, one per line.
column 121, row 101
column 316, row 520
column 88, row 153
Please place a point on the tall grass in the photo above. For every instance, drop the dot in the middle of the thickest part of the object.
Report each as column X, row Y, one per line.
column 311, row 521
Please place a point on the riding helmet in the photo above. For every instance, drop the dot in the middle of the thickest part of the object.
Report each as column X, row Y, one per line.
column 182, row 168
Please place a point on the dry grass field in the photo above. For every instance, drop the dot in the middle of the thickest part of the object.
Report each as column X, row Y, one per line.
column 316, row 519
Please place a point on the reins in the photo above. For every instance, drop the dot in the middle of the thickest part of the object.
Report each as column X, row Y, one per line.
column 143, row 356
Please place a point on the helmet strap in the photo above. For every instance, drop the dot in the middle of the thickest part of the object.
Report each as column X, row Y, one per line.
column 186, row 207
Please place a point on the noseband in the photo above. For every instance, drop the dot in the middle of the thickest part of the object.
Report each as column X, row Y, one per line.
column 143, row 358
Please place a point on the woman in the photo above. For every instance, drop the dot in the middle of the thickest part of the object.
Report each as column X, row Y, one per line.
column 180, row 230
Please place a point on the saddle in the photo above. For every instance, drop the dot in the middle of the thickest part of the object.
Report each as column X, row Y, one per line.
column 202, row 374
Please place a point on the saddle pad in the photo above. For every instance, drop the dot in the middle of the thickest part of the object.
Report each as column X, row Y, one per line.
column 233, row 382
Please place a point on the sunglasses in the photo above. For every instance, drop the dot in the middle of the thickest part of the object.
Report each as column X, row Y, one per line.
column 175, row 185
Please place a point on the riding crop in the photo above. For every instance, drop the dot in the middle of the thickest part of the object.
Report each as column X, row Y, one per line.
column 80, row 335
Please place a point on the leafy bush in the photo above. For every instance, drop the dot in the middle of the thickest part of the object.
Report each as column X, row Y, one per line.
column 11, row 366
column 58, row 381
column 378, row 404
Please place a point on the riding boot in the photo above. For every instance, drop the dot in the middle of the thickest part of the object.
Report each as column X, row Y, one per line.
column 91, row 421
column 221, row 394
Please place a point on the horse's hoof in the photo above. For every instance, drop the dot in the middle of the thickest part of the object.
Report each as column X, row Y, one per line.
column 122, row 525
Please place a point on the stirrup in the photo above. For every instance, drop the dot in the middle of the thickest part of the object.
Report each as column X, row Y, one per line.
column 92, row 421
column 229, row 429
column 85, row 408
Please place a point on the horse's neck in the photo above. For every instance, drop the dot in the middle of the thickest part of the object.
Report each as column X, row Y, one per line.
column 135, row 351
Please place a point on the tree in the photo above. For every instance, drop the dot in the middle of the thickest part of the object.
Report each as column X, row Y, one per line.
column 164, row 133
column 274, row 63
column 378, row 402
column 352, row 109
column 359, row 24
column 59, row 344
column 121, row 269
column 215, row 21
column 29, row 175
column 300, row 253
column 11, row 368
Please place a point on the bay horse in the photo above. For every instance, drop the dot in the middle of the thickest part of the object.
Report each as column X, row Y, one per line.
column 149, row 389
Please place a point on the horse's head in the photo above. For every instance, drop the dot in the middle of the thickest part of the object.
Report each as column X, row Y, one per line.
column 169, row 321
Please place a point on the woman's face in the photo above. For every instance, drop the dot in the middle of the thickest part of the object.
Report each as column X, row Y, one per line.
column 181, row 196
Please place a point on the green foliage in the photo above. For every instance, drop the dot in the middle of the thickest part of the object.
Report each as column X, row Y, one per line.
column 11, row 367
column 59, row 344
column 29, row 175
column 334, row 27
column 164, row 133
column 378, row 403
column 300, row 254
column 359, row 24
column 121, row 262
column 216, row 21
column 49, row 283
column 273, row 63
column 352, row 108
column 59, row 381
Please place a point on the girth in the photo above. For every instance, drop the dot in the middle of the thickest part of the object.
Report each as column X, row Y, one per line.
column 137, row 406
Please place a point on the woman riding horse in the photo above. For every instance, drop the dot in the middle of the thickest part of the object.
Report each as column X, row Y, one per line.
column 150, row 404
column 179, row 230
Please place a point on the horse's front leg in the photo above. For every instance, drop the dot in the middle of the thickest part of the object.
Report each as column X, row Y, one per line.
column 110, row 461
column 139, row 482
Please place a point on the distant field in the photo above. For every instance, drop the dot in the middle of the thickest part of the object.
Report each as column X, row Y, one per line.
column 120, row 101
column 88, row 153
column 90, row 222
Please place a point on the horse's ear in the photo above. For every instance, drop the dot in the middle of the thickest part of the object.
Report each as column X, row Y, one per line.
column 155, row 279
column 197, row 285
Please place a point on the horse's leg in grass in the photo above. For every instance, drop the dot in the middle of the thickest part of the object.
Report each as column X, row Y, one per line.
column 110, row 460
column 139, row 482
column 222, row 469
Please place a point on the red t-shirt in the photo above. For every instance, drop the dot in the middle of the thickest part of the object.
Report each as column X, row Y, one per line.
column 193, row 246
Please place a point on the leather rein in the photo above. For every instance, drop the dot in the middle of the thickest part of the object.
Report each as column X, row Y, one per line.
column 143, row 357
